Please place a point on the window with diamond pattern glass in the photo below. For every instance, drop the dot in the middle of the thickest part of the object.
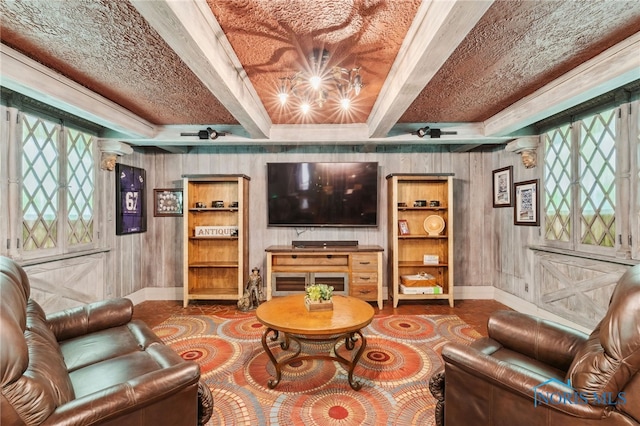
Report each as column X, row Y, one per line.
column 597, row 180
column 46, row 185
column 592, row 204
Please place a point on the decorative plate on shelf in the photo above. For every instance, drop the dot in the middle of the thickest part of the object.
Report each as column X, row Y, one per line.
column 434, row 224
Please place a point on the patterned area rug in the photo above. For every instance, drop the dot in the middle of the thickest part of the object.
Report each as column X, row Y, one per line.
column 401, row 355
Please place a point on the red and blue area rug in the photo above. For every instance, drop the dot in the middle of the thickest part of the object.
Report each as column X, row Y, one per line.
column 402, row 353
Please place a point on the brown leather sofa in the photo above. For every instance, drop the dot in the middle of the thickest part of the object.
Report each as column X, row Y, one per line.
column 535, row 372
column 89, row 365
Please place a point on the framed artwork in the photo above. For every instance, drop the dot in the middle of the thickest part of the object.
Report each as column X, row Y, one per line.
column 527, row 200
column 167, row 202
column 131, row 215
column 403, row 227
column 502, row 187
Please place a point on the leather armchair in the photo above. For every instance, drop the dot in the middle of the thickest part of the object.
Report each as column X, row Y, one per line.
column 529, row 371
column 89, row 365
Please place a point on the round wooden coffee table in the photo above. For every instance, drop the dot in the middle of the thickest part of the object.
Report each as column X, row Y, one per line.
column 289, row 316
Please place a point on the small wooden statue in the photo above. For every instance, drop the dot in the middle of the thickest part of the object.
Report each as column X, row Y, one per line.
column 253, row 292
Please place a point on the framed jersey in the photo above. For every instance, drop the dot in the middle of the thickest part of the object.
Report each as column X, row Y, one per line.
column 131, row 200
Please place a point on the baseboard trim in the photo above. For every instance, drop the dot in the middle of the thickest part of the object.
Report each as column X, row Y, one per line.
column 156, row 293
column 484, row 292
column 525, row 307
column 460, row 293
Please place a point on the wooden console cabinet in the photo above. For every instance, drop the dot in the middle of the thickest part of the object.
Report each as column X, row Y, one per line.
column 216, row 239
column 355, row 271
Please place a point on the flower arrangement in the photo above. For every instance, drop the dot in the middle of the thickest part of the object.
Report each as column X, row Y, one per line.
column 319, row 292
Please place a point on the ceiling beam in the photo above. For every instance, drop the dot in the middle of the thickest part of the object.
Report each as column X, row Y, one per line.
column 191, row 30
column 24, row 75
column 310, row 134
column 609, row 70
column 437, row 30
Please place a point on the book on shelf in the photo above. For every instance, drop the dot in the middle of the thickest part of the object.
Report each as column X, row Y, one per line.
column 431, row 259
column 436, row 289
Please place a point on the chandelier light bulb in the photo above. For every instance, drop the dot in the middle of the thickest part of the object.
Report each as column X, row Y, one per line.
column 320, row 85
column 315, row 81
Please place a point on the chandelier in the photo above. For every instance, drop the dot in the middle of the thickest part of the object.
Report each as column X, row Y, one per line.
column 313, row 87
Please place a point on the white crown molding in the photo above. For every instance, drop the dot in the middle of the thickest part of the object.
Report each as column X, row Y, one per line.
column 109, row 146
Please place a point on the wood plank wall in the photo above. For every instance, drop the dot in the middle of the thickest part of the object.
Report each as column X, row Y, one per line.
column 490, row 249
column 153, row 259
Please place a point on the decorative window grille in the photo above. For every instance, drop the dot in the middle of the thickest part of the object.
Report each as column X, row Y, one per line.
column 40, row 183
column 58, row 187
column 80, row 174
column 580, row 183
column 597, row 180
column 557, row 184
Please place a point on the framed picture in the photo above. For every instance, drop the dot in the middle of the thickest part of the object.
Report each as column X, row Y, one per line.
column 527, row 200
column 131, row 215
column 403, row 227
column 502, row 187
column 167, row 202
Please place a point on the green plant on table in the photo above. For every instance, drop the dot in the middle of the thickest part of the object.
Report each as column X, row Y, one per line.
column 317, row 292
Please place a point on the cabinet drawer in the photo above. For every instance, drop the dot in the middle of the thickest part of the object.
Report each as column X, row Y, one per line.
column 364, row 278
column 364, row 262
column 365, row 292
column 297, row 260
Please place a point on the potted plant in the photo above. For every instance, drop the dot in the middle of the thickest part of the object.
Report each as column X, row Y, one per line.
column 318, row 297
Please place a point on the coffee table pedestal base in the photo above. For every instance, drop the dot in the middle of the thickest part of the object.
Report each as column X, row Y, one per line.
column 350, row 340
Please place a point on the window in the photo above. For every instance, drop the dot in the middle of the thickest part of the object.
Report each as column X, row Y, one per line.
column 57, row 191
column 586, row 194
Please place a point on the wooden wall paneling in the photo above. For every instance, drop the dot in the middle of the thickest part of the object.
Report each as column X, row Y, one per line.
column 153, row 239
column 133, row 251
column 488, row 230
column 106, row 227
column 477, row 214
column 68, row 283
column 504, row 238
column 173, row 235
column 575, row 288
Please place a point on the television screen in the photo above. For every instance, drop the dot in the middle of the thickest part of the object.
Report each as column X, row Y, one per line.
column 322, row 194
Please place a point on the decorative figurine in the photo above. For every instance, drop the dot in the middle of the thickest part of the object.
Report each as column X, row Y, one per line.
column 253, row 292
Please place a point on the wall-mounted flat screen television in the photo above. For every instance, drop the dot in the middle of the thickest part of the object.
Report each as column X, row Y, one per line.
column 322, row 194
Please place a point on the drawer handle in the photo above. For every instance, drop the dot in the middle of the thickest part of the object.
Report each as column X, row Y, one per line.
column 294, row 256
column 365, row 278
column 365, row 291
column 365, row 263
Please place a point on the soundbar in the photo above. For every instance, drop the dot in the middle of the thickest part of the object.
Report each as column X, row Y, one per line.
column 320, row 243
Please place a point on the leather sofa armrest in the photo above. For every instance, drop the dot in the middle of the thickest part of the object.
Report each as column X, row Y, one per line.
column 124, row 398
column 89, row 318
column 518, row 380
column 546, row 341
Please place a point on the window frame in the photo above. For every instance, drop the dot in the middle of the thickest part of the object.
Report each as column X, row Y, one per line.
column 627, row 219
column 13, row 167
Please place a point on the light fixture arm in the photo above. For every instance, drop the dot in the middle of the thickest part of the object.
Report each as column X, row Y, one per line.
column 433, row 133
column 208, row 133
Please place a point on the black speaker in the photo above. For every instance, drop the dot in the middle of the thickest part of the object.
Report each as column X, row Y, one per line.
column 322, row 243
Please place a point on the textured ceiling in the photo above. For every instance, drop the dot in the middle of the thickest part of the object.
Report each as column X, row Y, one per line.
column 515, row 48
column 273, row 38
column 518, row 47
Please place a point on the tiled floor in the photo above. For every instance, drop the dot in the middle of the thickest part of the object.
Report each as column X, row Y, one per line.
column 473, row 312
